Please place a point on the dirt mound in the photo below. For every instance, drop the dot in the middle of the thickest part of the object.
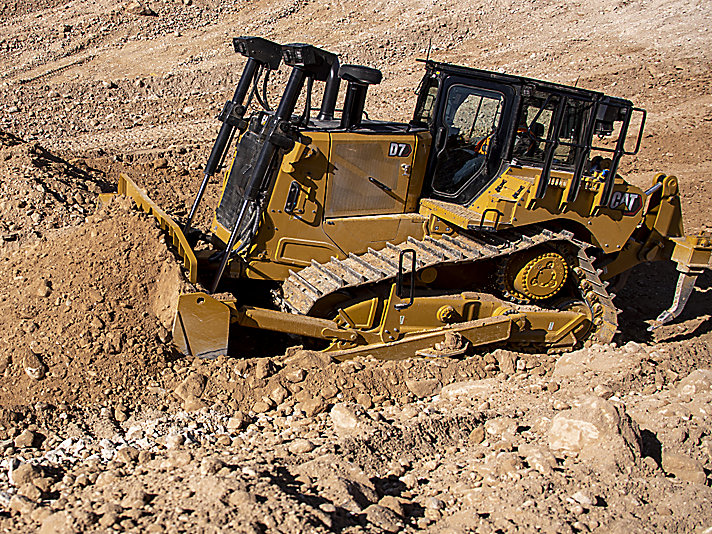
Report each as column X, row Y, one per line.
column 311, row 382
column 40, row 190
column 79, row 319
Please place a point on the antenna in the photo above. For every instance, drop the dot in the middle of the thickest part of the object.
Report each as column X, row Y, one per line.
column 430, row 45
column 577, row 81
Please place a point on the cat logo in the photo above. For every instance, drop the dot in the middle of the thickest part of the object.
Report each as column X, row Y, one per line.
column 399, row 150
column 628, row 203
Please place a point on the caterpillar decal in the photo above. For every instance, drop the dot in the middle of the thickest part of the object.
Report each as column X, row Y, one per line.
column 628, row 203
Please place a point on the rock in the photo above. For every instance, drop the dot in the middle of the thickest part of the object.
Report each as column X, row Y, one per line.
column 631, row 347
column 423, row 388
column 432, row 515
column 193, row 386
column 193, row 404
column 120, row 413
column 57, row 523
column 410, row 480
column 178, row 458
column 211, row 465
column 238, row 421
column 683, row 467
column 365, row 400
column 505, row 463
column 43, row 483
column 313, row 406
column 434, row 503
column 224, row 440
column 697, row 382
column 39, row 514
column 392, row 504
column 597, row 430
column 34, row 367
column 262, row 406
column 383, row 518
column 127, row 455
column 474, row 389
column 239, row 498
column 295, row 375
column 264, row 369
column 506, row 360
column 606, row 361
column 174, row 440
column 309, row 359
column 5, row 361
column 135, row 498
column 538, row 458
column 603, row 391
column 22, row 504
column 160, row 163
column 327, row 507
column 300, row 446
column 584, row 498
column 501, row 427
column 109, row 519
column 136, row 7
column 279, row 394
column 30, row 491
column 25, row 439
column 24, row 473
column 348, row 417
column 477, row 435
column 44, row 289
column 560, row 404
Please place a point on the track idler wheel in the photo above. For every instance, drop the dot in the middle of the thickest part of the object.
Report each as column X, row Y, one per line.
column 534, row 275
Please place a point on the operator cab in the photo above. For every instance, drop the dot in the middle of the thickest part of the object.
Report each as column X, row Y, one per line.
column 484, row 122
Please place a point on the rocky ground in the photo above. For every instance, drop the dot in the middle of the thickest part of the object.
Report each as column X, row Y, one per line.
column 104, row 428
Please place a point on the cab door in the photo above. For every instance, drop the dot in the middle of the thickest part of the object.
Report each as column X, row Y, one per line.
column 471, row 127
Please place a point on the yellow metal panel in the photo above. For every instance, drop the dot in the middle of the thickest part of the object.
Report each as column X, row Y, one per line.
column 512, row 194
column 285, row 240
column 356, row 234
column 300, row 252
column 369, row 173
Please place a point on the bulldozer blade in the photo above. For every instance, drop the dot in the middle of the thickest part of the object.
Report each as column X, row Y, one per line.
column 202, row 326
column 128, row 188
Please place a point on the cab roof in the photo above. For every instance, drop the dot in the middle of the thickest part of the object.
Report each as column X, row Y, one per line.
column 512, row 79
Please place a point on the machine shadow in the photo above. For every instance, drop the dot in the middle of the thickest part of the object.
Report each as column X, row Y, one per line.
column 649, row 291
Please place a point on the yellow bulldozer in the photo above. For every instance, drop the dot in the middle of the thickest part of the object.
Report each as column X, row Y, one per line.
column 495, row 217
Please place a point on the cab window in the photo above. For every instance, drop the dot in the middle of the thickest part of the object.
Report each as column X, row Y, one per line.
column 427, row 95
column 535, row 122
